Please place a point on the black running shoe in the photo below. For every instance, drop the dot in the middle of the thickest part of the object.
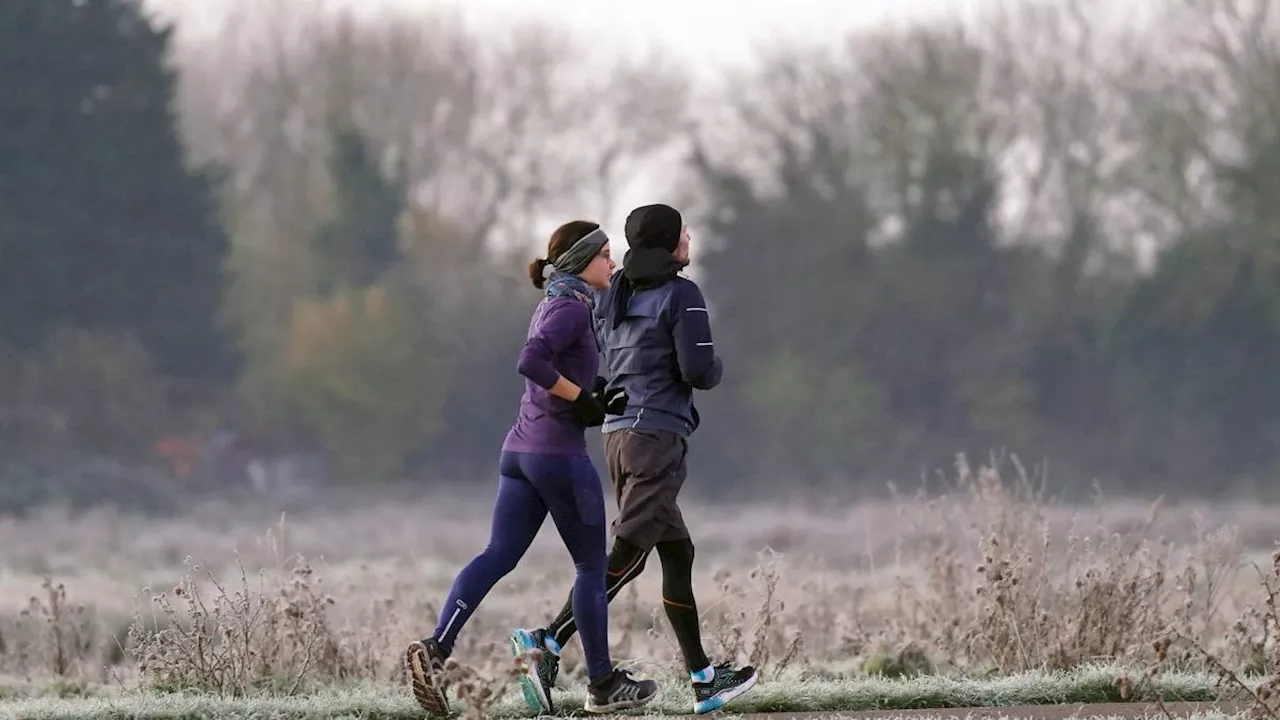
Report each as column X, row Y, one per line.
column 619, row 691
column 726, row 685
column 425, row 662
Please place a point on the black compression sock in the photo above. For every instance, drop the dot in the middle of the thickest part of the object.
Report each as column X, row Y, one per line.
column 678, row 600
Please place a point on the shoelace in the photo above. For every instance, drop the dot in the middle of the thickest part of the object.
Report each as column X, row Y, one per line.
column 718, row 671
column 630, row 689
column 718, row 668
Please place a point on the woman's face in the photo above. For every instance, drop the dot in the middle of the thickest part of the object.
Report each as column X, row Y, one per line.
column 597, row 273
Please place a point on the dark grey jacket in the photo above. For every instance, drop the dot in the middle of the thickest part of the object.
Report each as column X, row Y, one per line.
column 660, row 353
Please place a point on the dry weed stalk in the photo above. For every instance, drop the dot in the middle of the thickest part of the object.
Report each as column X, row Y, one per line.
column 1035, row 601
column 1258, row 630
column 62, row 632
column 729, row 619
column 233, row 643
column 475, row 692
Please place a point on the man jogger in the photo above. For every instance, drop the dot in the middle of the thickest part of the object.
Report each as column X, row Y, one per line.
column 657, row 342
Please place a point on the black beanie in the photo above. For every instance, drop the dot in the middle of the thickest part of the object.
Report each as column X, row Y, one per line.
column 654, row 226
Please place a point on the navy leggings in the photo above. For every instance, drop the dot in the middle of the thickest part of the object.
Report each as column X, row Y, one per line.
column 532, row 485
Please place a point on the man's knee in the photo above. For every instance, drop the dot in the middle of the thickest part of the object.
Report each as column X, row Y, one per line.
column 626, row 561
column 626, row 554
column 676, row 553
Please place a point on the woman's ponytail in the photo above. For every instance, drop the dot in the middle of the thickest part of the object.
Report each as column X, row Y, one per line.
column 537, row 269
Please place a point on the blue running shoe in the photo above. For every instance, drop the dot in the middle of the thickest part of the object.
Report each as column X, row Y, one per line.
column 539, row 666
column 726, row 685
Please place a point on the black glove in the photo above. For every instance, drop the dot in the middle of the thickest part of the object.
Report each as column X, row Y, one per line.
column 614, row 401
column 590, row 411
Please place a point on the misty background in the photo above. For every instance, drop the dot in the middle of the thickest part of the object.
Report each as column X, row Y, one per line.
column 257, row 244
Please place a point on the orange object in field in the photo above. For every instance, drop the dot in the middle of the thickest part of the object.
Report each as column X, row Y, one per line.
column 181, row 453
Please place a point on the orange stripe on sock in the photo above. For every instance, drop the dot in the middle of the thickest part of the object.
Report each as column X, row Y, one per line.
column 673, row 602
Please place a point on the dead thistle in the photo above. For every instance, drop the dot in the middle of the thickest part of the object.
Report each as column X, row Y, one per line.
column 233, row 643
column 62, row 631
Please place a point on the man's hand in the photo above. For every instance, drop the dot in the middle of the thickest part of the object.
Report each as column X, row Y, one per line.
column 614, row 401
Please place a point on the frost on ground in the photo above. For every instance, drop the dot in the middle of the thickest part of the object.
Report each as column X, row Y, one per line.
column 1087, row 685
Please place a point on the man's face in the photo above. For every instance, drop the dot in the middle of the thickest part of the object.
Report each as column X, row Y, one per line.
column 682, row 249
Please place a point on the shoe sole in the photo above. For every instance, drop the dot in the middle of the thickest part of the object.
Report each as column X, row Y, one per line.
column 724, row 697
column 535, row 696
column 422, row 680
column 614, row 707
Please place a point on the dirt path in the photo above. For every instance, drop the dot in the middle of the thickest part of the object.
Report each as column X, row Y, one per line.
column 1018, row 712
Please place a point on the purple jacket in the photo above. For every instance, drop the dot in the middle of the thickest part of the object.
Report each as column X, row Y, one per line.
column 560, row 342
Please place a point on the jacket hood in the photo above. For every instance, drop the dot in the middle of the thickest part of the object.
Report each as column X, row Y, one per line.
column 654, row 227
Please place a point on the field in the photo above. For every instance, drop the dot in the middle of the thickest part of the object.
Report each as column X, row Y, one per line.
column 984, row 595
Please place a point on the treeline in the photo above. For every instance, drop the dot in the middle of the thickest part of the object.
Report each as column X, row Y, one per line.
column 1042, row 233
column 1045, row 231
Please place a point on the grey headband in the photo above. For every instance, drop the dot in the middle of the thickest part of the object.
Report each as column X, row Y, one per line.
column 579, row 256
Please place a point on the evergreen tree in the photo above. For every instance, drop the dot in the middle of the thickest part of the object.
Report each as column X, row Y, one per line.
column 102, row 225
column 359, row 243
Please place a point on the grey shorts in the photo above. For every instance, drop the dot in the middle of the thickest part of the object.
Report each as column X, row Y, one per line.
column 648, row 469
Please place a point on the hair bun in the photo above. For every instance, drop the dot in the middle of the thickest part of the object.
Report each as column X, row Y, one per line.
column 538, row 271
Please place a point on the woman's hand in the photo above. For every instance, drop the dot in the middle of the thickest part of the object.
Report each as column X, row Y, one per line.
column 590, row 411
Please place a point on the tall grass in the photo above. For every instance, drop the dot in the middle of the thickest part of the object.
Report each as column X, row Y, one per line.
column 983, row 578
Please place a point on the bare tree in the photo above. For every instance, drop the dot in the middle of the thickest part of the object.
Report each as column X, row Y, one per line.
column 486, row 134
column 924, row 90
column 488, row 129
column 624, row 118
column 1199, row 106
column 1051, row 61
column 866, row 115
